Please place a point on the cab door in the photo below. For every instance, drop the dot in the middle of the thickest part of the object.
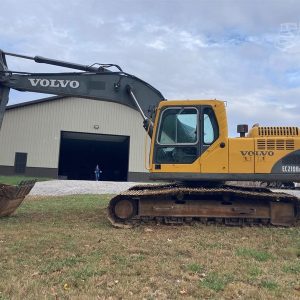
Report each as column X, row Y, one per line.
column 214, row 143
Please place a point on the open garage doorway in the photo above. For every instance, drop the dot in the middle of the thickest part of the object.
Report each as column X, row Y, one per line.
column 81, row 152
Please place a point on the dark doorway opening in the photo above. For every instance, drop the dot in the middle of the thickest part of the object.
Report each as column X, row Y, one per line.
column 81, row 152
column 20, row 162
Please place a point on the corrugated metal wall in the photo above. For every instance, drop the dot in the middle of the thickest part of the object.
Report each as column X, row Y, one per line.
column 36, row 128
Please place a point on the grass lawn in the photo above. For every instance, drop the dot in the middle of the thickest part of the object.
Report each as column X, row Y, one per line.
column 64, row 248
column 15, row 180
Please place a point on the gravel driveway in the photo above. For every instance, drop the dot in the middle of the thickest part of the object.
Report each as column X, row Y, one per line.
column 74, row 187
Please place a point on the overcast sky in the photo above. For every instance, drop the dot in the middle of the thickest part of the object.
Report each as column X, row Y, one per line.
column 244, row 52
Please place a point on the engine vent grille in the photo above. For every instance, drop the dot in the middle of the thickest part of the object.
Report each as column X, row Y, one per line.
column 278, row 131
column 275, row 144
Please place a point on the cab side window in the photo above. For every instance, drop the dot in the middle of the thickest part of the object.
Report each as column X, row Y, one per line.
column 210, row 126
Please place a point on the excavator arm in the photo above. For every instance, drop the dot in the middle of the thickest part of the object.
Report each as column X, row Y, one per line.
column 93, row 82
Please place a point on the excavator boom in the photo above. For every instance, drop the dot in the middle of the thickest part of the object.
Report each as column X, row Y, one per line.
column 94, row 83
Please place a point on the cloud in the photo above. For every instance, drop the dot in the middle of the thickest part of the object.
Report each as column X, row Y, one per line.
column 231, row 50
column 157, row 44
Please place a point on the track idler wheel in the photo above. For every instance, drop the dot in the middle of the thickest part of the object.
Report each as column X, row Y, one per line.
column 121, row 211
column 124, row 209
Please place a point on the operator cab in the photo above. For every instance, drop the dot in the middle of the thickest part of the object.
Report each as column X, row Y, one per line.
column 184, row 132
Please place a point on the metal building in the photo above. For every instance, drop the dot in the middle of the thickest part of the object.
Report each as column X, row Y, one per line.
column 66, row 137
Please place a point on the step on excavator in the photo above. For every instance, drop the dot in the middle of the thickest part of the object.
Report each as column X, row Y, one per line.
column 190, row 150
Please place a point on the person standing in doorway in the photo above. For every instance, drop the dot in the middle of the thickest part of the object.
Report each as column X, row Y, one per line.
column 97, row 173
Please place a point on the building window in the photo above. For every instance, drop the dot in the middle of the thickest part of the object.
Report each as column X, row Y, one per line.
column 20, row 162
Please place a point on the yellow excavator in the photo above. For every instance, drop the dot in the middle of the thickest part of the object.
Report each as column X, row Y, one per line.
column 190, row 151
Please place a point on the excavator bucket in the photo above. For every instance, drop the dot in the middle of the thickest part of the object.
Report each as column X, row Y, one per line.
column 11, row 196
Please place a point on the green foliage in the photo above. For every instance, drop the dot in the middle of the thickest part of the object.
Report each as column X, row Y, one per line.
column 216, row 281
column 194, row 268
column 258, row 255
column 85, row 273
column 254, row 271
column 15, row 180
column 292, row 268
column 137, row 257
column 120, row 260
column 269, row 284
column 57, row 264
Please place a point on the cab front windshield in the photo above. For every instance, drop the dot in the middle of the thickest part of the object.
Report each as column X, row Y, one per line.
column 177, row 136
column 178, row 126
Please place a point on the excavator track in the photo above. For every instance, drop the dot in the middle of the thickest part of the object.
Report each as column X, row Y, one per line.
column 220, row 204
column 11, row 196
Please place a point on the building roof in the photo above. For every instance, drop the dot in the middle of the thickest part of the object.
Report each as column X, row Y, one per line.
column 53, row 98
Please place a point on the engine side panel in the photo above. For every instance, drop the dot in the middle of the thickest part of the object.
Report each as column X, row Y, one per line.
column 289, row 164
column 277, row 155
